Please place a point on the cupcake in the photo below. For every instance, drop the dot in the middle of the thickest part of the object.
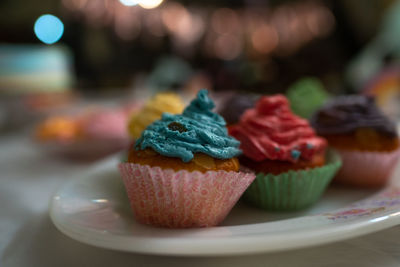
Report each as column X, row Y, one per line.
column 152, row 111
column 105, row 124
column 292, row 164
column 63, row 129
column 183, row 171
column 234, row 107
column 365, row 138
column 90, row 134
column 306, row 96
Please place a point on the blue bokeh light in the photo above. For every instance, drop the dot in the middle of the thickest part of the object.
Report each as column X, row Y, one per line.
column 48, row 29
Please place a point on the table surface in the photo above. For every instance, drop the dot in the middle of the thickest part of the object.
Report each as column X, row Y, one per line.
column 29, row 177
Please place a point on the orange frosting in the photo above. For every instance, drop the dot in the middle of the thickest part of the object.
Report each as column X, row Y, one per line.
column 58, row 128
column 271, row 131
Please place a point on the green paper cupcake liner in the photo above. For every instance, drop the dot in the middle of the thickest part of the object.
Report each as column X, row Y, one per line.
column 292, row 190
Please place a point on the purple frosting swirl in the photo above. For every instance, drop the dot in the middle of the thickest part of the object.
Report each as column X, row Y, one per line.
column 345, row 114
column 236, row 105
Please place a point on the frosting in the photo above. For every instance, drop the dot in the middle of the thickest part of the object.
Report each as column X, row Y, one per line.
column 153, row 110
column 235, row 106
column 105, row 124
column 306, row 96
column 198, row 129
column 271, row 131
column 63, row 129
column 346, row 114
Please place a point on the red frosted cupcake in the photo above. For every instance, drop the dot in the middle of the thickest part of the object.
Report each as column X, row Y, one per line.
column 292, row 166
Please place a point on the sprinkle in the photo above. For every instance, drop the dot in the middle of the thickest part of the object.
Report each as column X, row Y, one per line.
column 176, row 126
column 295, row 154
column 277, row 148
column 310, row 146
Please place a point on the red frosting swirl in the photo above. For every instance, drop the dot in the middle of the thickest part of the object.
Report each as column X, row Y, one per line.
column 271, row 131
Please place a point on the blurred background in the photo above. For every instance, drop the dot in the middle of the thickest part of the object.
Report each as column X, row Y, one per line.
column 55, row 54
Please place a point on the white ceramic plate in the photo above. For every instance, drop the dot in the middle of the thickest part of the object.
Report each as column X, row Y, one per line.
column 94, row 209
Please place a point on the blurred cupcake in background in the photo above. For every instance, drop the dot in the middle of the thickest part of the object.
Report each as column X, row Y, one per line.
column 62, row 129
column 232, row 108
column 385, row 87
column 292, row 164
column 90, row 134
column 306, row 96
column 183, row 171
column 152, row 111
column 104, row 124
column 365, row 138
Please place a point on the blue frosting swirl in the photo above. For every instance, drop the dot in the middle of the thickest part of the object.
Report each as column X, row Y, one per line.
column 196, row 130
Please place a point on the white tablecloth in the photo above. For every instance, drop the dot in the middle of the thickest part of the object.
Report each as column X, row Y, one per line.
column 28, row 178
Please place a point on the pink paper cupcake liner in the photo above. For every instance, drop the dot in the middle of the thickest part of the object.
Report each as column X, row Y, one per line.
column 182, row 199
column 366, row 169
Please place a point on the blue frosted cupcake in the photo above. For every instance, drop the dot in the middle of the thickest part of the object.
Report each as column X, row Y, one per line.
column 183, row 170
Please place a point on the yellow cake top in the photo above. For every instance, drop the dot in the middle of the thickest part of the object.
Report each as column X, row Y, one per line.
column 153, row 110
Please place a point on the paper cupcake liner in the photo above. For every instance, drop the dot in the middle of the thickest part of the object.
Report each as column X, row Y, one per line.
column 292, row 190
column 182, row 199
column 366, row 169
